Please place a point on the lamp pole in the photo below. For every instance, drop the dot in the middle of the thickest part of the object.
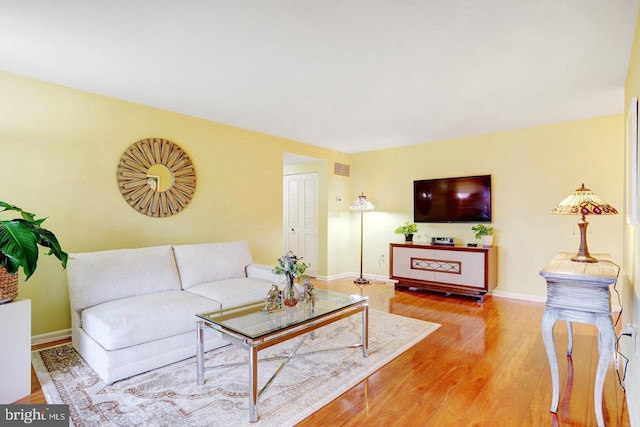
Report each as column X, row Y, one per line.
column 361, row 280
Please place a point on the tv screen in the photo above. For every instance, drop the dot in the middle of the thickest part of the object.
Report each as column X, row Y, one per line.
column 463, row 199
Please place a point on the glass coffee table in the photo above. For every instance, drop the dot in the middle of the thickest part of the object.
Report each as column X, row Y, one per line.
column 249, row 326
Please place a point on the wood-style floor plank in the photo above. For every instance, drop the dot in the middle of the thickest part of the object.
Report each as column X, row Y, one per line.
column 485, row 366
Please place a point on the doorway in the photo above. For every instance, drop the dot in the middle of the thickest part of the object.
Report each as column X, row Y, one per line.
column 301, row 218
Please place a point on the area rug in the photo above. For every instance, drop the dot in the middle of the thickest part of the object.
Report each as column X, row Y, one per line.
column 169, row 396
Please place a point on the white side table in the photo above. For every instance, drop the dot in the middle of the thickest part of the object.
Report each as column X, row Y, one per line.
column 15, row 356
column 579, row 292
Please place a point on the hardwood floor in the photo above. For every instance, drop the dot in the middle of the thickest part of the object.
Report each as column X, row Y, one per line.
column 485, row 366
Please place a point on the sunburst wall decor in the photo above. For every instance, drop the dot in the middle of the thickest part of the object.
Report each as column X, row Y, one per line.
column 156, row 177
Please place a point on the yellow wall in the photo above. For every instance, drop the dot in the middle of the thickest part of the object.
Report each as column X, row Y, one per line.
column 631, row 313
column 532, row 171
column 60, row 149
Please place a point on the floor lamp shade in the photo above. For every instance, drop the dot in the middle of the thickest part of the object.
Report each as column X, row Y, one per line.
column 362, row 204
column 583, row 202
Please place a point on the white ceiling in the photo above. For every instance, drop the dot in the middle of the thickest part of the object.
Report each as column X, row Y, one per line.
column 351, row 75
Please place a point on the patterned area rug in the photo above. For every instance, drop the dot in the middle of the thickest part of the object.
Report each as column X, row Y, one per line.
column 169, row 396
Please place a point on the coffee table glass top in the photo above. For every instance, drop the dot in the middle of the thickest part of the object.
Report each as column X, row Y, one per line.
column 251, row 321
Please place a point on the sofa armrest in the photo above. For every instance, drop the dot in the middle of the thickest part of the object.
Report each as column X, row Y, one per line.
column 262, row 271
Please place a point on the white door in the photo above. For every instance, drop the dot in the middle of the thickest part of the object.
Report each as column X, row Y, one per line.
column 301, row 218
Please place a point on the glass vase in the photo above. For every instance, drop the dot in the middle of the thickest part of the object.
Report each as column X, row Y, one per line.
column 290, row 294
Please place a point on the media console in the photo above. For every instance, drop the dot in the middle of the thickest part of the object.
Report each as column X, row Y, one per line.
column 460, row 270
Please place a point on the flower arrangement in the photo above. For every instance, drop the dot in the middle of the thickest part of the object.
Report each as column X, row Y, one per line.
column 290, row 266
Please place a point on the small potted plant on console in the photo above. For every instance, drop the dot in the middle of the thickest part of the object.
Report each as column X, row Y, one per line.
column 484, row 233
column 408, row 229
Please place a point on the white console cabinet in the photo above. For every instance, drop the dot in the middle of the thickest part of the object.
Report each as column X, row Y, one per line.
column 460, row 270
column 15, row 357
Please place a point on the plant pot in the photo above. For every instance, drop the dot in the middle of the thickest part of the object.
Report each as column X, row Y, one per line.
column 408, row 237
column 487, row 240
column 8, row 286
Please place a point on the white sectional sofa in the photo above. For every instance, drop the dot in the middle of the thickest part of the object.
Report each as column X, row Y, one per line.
column 133, row 310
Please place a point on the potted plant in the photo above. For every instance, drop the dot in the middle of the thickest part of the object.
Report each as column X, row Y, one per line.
column 408, row 229
column 484, row 233
column 19, row 241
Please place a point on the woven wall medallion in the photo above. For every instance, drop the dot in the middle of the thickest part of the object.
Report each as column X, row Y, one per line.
column 156, row 177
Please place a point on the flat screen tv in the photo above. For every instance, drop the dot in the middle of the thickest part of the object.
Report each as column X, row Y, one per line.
column 462, row 199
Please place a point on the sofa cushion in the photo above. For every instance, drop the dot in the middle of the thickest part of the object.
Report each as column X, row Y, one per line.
column 233, row 291
column 98, row 277
column 144, row 318
column 262, row 271
column 208, row 262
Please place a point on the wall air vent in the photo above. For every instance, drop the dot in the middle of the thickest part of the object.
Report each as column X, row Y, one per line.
column 341, row 169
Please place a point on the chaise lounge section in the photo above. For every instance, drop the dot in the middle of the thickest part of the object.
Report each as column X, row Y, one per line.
column 133, row 310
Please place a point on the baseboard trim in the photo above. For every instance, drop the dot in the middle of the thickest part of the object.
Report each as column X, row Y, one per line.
column 514, row 295
column 371, row 277
column 50, row 337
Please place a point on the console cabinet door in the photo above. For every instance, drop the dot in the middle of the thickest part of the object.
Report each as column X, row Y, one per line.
column 407, row 260
column 461, row 268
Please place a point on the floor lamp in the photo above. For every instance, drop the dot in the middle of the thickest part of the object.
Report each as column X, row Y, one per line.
column 362, row 204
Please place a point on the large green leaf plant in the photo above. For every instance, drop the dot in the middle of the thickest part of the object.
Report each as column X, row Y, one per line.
column 19, row 240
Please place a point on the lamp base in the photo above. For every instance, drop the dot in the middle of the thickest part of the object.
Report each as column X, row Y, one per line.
column 583, row 258
column 583, row 250
column 361, row 281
